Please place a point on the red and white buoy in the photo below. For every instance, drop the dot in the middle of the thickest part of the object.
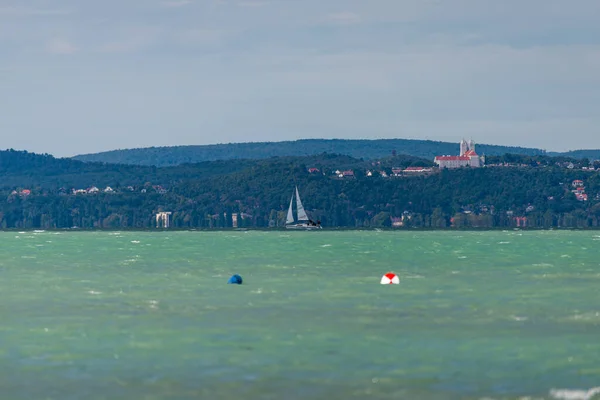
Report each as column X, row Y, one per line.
column 390, row 279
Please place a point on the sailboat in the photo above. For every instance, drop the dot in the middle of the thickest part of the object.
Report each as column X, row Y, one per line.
column 302, row 221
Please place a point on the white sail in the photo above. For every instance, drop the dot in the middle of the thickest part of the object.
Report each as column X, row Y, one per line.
column 290, row 215
column 301, row 213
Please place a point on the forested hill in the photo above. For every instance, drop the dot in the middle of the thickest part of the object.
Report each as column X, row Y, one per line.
column 366, row 149
column 22, row 169
column 43, row 192
column 592, row 154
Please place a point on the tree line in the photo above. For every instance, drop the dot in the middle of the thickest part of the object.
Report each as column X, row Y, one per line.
column 257, row 194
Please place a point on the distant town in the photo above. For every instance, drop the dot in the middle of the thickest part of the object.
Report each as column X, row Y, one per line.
column 537, row 206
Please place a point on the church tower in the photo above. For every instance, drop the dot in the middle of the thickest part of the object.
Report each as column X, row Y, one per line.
column 471, row 145
column 464, row 147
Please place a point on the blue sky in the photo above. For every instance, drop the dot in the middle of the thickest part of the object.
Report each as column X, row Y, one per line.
column 86, row 76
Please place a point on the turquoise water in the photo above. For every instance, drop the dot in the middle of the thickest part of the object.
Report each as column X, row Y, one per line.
column 141, row 315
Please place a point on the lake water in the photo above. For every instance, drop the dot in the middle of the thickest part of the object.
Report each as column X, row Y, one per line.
column 148, row 315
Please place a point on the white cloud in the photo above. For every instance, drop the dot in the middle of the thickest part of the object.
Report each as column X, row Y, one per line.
column 60, row 46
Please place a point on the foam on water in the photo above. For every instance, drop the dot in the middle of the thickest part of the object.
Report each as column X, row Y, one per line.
column 589, row 316
column 574, row 394
column 517, row 318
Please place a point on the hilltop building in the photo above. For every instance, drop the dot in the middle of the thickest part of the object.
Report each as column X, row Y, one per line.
column 467, row 158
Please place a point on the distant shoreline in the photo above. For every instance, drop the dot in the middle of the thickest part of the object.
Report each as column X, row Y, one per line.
column 325, row 229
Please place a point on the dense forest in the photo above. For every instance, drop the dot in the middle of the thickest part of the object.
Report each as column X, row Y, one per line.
column 43, row 192
column 590, row 154
column 366, row 149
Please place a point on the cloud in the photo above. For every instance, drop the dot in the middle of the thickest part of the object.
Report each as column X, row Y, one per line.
column 345, row 17
column 60, row 46
column 513, row 71
column 176, row 3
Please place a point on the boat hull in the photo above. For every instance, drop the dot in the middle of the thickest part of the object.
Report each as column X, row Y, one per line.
column 305, row 227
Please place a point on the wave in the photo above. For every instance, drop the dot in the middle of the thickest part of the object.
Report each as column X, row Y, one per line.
column 574, row 394
column 518, row 318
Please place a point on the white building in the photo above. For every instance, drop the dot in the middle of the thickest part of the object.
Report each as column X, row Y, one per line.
column 163, row 219
column 467, row 158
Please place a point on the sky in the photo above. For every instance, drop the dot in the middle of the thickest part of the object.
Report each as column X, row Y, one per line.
column 88, row 76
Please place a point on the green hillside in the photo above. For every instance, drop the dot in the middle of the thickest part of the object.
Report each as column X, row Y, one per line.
column 43, row 192
column 366, row 149
column 589, row 154
column 24, row 169
column 20, row 169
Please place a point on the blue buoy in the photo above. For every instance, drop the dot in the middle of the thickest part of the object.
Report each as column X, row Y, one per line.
column 235, row 280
